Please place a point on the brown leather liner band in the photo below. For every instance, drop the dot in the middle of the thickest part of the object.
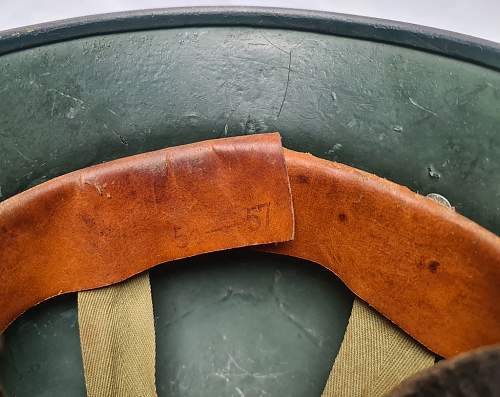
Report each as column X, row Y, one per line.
column 104, row 224
column 431, row 271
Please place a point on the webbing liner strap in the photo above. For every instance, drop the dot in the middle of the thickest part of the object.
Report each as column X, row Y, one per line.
column 118, row 346
column 374, row 357
column 117, row 338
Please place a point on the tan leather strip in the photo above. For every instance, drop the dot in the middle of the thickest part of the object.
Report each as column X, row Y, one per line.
column 374, row 357
column 104, row 224
column 117, row 336
column 429, row 270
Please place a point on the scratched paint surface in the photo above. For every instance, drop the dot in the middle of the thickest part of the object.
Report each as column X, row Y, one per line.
column 425, row 121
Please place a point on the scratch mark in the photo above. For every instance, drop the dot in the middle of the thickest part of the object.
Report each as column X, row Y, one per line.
column 271, row 375
column 112, row 112
column 122, row 139
column 472, row 94
column 289, row 53
column 287, row 83
column 53, row 106
column 245, row 372
column 421, row 107
column 222, row 376
column 274, row 45
column 231, row 359
column 240, row 393
column 63, row 94
column 309, row 333
column 22, row 154
column 228, row 118
column 256, row 44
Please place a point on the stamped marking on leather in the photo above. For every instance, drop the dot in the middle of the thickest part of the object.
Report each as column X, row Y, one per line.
column 182, row 239
column 254, row 215
column 254, row 218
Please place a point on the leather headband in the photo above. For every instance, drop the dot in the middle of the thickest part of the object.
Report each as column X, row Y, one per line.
column 103, row 224
column 433, row 272
column 426, row 268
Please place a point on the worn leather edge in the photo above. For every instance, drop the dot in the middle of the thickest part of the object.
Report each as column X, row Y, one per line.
column 431, row 271
column 103, row 224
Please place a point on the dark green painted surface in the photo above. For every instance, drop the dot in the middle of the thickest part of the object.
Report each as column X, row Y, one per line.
column 41, row 356
column 423, row 38
column 425, row 121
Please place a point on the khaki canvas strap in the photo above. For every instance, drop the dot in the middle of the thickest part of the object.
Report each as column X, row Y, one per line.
column 118, row 339
column 374, row 357
column 118, row 346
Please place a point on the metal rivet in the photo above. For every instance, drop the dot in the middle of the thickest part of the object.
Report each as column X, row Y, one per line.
column 439, row 199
